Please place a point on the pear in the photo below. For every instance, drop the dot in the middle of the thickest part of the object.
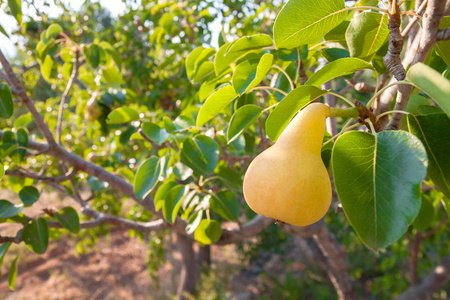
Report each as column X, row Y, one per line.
column 289, row 181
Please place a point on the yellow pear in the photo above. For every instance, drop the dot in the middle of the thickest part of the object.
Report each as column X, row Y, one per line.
column 289, row 181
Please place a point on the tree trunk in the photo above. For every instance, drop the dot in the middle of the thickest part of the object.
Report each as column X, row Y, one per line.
column 188, row 276
column 204, row 258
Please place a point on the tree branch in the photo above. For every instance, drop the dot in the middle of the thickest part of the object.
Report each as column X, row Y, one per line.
column 431, row 283
column 443, row 34
column 65, row 95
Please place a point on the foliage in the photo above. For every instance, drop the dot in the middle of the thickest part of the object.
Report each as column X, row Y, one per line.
column 152, row 103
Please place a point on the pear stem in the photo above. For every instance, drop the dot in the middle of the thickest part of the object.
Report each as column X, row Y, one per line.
column 344, row 112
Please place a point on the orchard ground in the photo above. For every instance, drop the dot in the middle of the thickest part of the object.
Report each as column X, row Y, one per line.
column 115, row 268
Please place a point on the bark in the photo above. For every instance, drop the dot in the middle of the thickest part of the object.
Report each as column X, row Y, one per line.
column 188, row 275
column 204, row 257
column 430, row 284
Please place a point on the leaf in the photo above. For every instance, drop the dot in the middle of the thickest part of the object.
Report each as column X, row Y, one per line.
column 173, row 202
column 201, row 154
column 434, row 132
column 8, row 210
column 6, row 102
column 288, row 107
column 443, row 47
column 13, row 274
column 122, row 115
column 208, row 232
column 306, row 21
column 28, row 195
column 205, row 69
column 96, row 184
column 35, row 235
column 426, row 214
column 3, row 248
column 332, row 54
column 155, row 133
column 46, row 67
column 224, row 59
column 215, row 103
column 249, row 74
column 2, row 30
column 242, row 119
column 112, row 75
column 52, row 32
column 230, row 177
column 23, row 120
column 161, row 194
column 247, row 43
column 194, row 221
column 337, row 68
column 68, row 218
column 225, row 204
column 2, row 171
column 367, row 32
column 147, row 176
column 196, row 58
column 377, row 178
column 432, row 83
column 16, row 9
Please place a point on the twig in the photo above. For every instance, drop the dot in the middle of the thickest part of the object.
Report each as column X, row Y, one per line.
column 413, row 19
column 41, row 177
column 72, row 79
column 9, row 239
column 436, row 228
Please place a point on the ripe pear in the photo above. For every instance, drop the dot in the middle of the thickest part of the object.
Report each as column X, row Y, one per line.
column 289, row 181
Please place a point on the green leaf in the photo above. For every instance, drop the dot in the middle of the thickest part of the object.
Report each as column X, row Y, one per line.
column 147, row 176
column 92, row 54
column 306, row 21
column 432, row 83
column 434, row 132
column 3, row 248
column 29, row 195
column 13, row 274
column 443, row 47
column 230, row 177
column 208, row 232
column 161, row 194
column 16, row 9
column 224, row 58
column 2, row 171
column 288, row 107
column 96, row 184
column 155, row 133
column 196, row 58
column 8, row 210
column 46, row 67
column 52, row 32
column 193, row 221
column 242, row 119
column 201, row 154
column 426, row 214
column 252, row 42
column 23, row 120
column 377, row 178
column 332, row 54
column 225, row 204
column 6, row 102
column 337, row 68
column 367, row 32
column 2, row 30
column 205, row 69
column 112, row 75
column 122, row 115
column 326, row 150
column 215, row 103
column 173, row 202
column 250, row 73
column 35, row 235
column 68, row 218
column 337, row 34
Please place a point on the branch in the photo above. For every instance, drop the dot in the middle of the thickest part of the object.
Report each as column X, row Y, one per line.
column 8, row 239
column 22, row 94
column 72, row 79
column 431, row 283
column 431, row 20
column 392, row 59
column 54, row 179
column 443, row 34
